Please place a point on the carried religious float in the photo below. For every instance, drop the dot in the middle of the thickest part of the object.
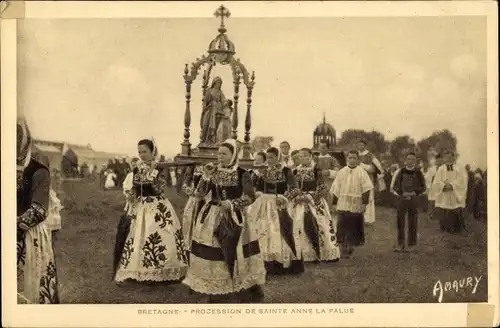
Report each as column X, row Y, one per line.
column 219, row 117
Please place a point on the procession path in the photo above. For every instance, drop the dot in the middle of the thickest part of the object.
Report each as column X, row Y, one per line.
column 84, row 249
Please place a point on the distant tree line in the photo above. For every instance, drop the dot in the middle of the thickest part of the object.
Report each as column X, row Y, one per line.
column 389, row 150
column 394, row 150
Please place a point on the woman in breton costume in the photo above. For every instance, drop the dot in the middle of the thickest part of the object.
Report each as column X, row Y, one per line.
column 154, row 249
column 278, row 234
column 194, row 202
column 225, row 258
column 36, row 266
column 311, row 211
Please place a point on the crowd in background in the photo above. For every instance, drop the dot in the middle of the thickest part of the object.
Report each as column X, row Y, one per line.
column 112, row 175
column 476, row 203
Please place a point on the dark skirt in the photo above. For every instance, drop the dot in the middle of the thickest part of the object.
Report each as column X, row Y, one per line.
column 479, row 209
column 450, row 220
column 276, row 268
column 350, row 228
column 431, row 209
column 423, row 203
column 122, row 231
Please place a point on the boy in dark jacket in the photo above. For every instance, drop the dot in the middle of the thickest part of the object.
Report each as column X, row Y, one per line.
column 407, row 184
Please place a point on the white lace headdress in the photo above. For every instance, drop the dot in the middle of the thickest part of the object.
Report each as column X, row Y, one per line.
column 23, row 158
column 235, row 160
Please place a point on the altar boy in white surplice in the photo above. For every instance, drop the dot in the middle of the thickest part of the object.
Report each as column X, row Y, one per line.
column 449, row 190
column 351, row 190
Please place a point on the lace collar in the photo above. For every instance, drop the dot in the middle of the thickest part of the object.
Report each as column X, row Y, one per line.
column 228, row 169
column 311, row 166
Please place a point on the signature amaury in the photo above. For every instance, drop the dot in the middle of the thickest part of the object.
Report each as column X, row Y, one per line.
column 455, row 285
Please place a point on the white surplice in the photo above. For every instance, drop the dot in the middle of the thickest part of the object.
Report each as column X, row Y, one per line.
column 349, row 185
column 452, row 199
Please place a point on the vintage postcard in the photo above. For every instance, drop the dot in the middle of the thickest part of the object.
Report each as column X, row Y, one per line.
column 251, row 164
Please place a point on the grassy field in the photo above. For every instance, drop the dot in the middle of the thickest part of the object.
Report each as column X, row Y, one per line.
column 375, row 274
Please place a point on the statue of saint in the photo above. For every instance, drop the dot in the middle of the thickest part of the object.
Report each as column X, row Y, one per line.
column 213, row 111
column 224, row 128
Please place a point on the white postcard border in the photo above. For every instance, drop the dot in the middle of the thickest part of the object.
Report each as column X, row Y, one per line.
column 386, row 315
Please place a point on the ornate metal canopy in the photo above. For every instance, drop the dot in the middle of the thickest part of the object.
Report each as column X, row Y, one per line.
column 221, row 50
column 324, row 132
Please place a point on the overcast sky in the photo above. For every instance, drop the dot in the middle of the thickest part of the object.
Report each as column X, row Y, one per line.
column 112, row 82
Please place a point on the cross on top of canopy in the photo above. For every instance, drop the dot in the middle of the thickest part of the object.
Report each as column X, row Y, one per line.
column 221, row 50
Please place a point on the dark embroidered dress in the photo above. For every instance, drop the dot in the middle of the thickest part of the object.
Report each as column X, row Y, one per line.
column 318, row 241
column 154, row 249
column 37, row 276
column 279, row 235
column 225, row 256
